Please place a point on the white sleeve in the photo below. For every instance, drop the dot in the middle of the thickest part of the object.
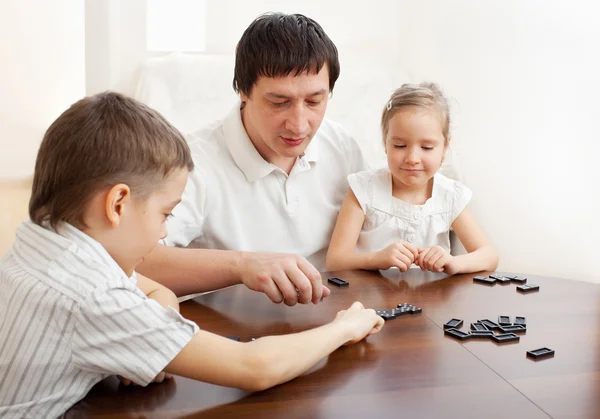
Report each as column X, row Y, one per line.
column 359, row 184
column 117, row 332
column 187, row 222
column 462, row 197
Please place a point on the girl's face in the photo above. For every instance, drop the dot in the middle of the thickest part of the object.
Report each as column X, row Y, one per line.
column 415, row 146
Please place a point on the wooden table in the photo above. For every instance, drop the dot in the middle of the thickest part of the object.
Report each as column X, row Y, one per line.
column 408, row 370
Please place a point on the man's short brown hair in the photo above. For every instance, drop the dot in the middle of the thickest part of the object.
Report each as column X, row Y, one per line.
column 99, row 142
column 277, row 45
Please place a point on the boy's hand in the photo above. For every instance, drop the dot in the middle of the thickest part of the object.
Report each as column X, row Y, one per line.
column 359, row 321
column 436, row 259
column 399, row 254
column 162, row 376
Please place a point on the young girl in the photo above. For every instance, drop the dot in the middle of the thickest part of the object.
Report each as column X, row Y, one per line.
column 402, row 214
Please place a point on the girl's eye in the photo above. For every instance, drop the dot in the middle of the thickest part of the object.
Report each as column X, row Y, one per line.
column 399, row 146
column 427, row 148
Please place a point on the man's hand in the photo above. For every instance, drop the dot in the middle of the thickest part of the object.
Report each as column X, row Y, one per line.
column 284, row 278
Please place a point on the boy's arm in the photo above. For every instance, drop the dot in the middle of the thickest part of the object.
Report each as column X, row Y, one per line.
column 271, row 360
column 164, row 296
column 282, row 277
column 481, row 256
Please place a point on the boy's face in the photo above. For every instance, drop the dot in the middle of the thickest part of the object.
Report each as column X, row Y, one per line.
column 282, row 114
column 143, row 224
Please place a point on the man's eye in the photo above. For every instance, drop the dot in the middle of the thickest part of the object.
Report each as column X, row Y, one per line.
column 313, row 103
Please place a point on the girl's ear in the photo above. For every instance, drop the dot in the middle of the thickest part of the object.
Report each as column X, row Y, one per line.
column 118, row 197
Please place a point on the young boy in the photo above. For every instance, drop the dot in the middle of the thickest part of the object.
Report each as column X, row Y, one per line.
column 72, row 310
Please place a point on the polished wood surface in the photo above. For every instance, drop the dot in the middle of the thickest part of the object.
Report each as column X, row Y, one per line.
column 410, row 369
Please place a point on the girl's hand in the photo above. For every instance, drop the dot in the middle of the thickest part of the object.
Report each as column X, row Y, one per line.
column 359, row 321
column 436, row 259
column 399, row 254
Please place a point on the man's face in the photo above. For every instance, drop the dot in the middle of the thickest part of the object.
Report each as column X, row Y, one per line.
column 281, row 115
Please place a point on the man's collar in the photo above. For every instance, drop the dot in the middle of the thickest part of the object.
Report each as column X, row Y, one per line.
column 241, row 148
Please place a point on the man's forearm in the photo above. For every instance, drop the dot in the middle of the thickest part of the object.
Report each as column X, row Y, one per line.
column 190, row 271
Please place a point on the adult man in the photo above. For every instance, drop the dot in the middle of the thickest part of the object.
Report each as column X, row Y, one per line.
column 270, row 176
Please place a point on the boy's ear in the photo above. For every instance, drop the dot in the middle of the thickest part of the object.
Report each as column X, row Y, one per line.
column 118, row 196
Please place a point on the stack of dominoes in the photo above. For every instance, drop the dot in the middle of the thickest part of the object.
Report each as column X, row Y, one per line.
column 401, row 310
column 485, row 329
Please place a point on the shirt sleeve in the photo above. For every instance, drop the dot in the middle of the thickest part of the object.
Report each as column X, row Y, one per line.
column 187, row 222
column 118, row 332
column 359, row 184
column 462, row 197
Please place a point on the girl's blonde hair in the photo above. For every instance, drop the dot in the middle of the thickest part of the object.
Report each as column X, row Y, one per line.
column 424, row 95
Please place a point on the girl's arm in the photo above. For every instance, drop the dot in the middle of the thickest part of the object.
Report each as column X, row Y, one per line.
column 342, row 255
column 482, row 255
column 271, row 360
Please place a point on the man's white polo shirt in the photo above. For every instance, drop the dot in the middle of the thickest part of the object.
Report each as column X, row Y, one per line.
column 236, row 200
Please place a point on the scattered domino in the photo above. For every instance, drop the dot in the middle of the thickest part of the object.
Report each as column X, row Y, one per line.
column 506, row 337
column 484, row 280
column 457, row 334
column 514, row 328
column 338, row 281
column 497, row 276
column 479, row 327
column 540, row 353
column 504, row 320
column 453, row 324
column 528, row 288
column 489, row 324
column 482, row 334
column 519, row 279
column 521, row 321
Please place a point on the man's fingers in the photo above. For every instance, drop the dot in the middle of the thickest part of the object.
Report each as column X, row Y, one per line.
column 267, row 285
column 301, row 283
column 313, row 275
column 287, row 288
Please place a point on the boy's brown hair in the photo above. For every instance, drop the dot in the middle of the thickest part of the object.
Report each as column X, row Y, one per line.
column 99, row 142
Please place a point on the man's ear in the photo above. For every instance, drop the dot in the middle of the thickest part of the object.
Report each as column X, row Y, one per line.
column 116, row 199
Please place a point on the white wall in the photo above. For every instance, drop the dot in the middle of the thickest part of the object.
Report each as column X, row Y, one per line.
column 525, row 78
column 42, row 73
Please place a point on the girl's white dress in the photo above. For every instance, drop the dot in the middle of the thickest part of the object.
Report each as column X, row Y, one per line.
column 389, row 219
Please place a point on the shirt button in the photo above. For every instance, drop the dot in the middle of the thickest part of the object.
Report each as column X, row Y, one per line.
column 417, row 216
